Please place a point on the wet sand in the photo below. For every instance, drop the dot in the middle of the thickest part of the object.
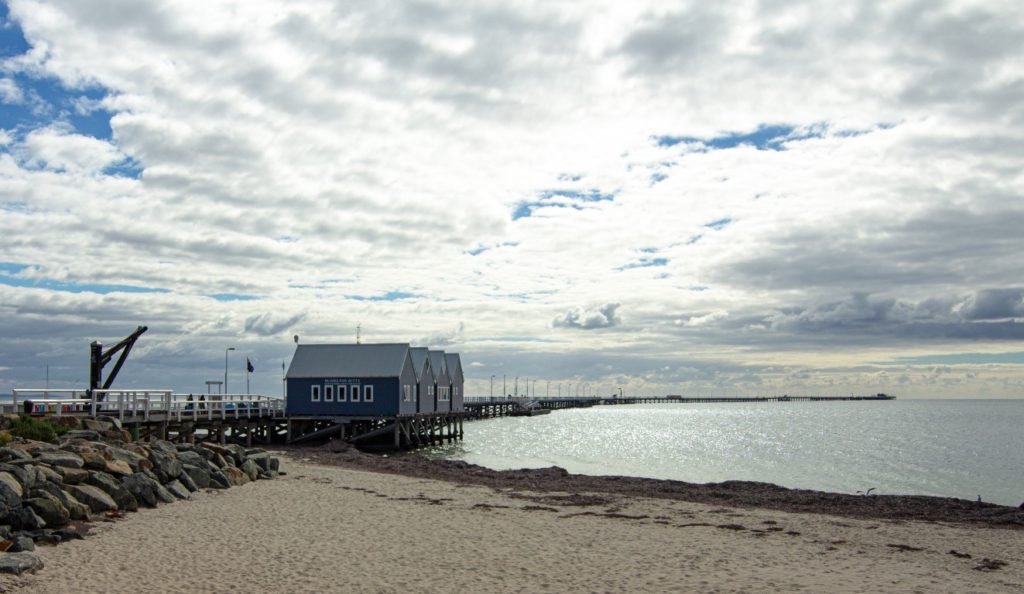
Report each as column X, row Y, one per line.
column 338, row 528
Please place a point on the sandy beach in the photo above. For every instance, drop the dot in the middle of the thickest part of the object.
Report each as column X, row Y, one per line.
column 332, row 529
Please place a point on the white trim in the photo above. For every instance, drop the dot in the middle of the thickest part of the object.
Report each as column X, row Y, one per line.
column 368, row 393
column 354, row 392
column 342, row 393
column 328, row 393
column 314, row 393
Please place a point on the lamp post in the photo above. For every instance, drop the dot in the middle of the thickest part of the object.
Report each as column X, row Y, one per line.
column 504, row 388
column 515, row 386
column 492, row 385
column 547, row 393
column 226, row 368
column 534, row 388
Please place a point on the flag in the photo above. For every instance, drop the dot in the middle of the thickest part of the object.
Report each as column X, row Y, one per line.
column 248, row 365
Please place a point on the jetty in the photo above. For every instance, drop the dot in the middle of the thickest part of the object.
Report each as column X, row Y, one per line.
column 258, row 419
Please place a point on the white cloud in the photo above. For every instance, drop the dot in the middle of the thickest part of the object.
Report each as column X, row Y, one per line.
column 305, row 152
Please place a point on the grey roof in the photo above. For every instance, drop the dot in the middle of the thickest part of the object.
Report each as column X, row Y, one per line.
column 419, row 356
column 348, row 360
column 437, row 362
column 453, row 362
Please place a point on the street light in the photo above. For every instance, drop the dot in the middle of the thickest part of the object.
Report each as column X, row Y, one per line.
column 492, row 385
column 226, row 368
column 515, row 387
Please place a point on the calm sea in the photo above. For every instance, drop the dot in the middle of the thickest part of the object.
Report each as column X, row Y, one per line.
column 956, row 448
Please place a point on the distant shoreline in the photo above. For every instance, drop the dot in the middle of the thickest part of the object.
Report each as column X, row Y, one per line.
column 731, row 493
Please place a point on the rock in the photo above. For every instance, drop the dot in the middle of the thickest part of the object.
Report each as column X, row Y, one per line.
column 19, row 563
column 24, row 518
column 71, row 476
column 94, row 497
column 22, row 543
column 163, row 494
column 50, row 510
column 68, row 534
column 75, row 508
column 60, row 458
column 199, row 475
column 192, row 458
column 219, row 480
column 188, row 482
column 143, row 488
column 22, row 474
column 47, row 474
column 82, row 434
column 165, row 466
column 269, row 474
column 232, row 455
column 118, row 467
column 250, row 469
column 97, row 426
column 13, row 454
column 184, row 447
column 262, row 459
column 114, row 487
column 177, row 489
column 164, row 447
column 235, row 476
column 11, row 490
column 113, row 421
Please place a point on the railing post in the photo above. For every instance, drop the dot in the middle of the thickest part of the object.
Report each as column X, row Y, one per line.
column 120, row 405
column 146, row 407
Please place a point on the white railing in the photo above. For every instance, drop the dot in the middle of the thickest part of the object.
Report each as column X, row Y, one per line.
column 523, row 400
column 145, row 403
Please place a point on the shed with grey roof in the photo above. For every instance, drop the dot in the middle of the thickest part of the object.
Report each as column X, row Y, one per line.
column 425, row 400
column 442, row 383
column 453, row 364
column 356, row 380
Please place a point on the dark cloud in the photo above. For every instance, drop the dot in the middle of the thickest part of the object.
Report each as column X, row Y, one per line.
column 604, row 316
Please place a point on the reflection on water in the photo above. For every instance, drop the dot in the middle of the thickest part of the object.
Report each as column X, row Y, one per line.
column 959, row 448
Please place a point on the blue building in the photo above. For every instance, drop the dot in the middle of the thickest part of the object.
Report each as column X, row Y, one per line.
column 352, row 380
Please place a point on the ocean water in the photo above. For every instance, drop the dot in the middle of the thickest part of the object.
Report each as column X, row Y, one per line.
column 955, row 448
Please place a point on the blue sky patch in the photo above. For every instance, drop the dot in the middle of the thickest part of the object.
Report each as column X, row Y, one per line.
column 765, row 138
column 644, row 263
column 483, row 248
column 1011, row 358
column 389, row 296
column 234, row 297
column 560, row 198
column 719, row 224
column 658, row 178
column 73, row 287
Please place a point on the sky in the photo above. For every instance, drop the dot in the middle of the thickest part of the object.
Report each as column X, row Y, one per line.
column 693, row 198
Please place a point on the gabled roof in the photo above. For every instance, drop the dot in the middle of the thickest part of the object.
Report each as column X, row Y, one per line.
column 453, row 363
column 419, row 357
column 437, row 363
column 348, row 360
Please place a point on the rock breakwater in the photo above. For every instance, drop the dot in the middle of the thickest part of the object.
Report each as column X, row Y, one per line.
column 53, row 492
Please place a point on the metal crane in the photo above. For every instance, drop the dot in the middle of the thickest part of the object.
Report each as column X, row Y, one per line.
column 98, row 359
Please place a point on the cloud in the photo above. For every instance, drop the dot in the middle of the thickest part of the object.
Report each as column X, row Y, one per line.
column 269, row 324
column 604, row 316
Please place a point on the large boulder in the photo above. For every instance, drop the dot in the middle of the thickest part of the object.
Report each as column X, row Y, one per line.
column 133, row 459
column 23, row 518
column 262, row 459
column 71, row 476
column 46, row 474
column 219, row 480
column 50, row 509
column 235, row 476
column 192, row 458
column 11, row 491
column 60, row 458
column 97, row 499
column 177, row 489
column 188, row 482
column 76, row 509
column 200, row 475
column 250, row 469
column 143, row 488
column 118, row 467
column 167, row 467
column 13, row 454
column 19, row 563
column 113, row 486
column 233, row 454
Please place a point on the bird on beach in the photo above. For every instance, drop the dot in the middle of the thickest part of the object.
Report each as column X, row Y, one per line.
column 866, row 493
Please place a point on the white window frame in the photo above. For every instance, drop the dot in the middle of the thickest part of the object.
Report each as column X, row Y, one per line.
column 368, row 393
column 314, row 393
column 342, row 393
column 354, row 393
column 329, row 393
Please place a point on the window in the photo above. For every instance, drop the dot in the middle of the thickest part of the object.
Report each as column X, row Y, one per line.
column 367, row 393
column 442, row 393
column 316, row 393
column 430, row 391
column 355, row 393
column 342, row 393
column 328, row 393
column 455, row 392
